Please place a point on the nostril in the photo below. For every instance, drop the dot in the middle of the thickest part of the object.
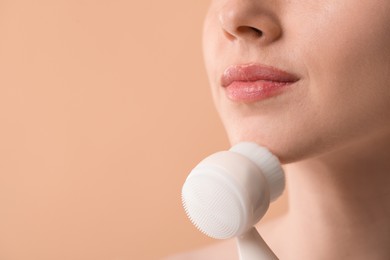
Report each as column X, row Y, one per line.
column 248, row 30
column 257, row 32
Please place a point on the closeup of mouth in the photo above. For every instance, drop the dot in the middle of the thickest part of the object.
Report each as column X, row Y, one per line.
column 254, row 82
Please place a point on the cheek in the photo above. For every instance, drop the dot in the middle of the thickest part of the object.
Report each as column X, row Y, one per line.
column 348, row 66
column 347, row 61
column 213, row 55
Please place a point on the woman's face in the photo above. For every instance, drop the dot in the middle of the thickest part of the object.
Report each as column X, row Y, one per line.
column 301, row 77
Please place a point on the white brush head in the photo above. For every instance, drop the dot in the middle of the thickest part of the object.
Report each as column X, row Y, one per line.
column 227, row 193
column 268, row 164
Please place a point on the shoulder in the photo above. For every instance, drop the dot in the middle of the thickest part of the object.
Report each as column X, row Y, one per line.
column 223, row 250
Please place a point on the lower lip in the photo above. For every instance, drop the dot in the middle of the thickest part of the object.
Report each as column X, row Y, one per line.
column 252, row 91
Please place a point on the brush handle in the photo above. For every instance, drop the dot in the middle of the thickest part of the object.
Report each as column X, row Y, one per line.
column 251, row 246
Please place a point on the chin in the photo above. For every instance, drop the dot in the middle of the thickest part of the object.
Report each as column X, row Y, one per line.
column 288, row 147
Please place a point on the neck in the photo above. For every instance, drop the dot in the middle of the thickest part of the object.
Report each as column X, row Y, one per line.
column 339, row 203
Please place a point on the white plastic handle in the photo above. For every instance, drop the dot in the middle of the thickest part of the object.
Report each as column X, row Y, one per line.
column 251, row 246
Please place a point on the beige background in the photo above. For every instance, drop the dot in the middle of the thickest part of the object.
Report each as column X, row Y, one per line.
column 104, row 109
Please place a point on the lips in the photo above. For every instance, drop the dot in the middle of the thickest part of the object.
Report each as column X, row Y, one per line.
column 255, row 82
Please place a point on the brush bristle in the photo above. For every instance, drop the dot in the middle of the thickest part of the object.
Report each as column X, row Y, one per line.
column 212, row 207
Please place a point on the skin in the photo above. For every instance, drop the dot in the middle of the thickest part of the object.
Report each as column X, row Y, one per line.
column 331, row 129
column 339, row 49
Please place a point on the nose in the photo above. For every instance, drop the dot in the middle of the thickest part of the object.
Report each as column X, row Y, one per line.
column 249, row 21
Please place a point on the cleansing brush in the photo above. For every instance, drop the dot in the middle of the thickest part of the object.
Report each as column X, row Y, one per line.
column 227, row 193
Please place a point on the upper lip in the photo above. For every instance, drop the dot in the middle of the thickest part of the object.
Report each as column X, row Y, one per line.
column 255, row 72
